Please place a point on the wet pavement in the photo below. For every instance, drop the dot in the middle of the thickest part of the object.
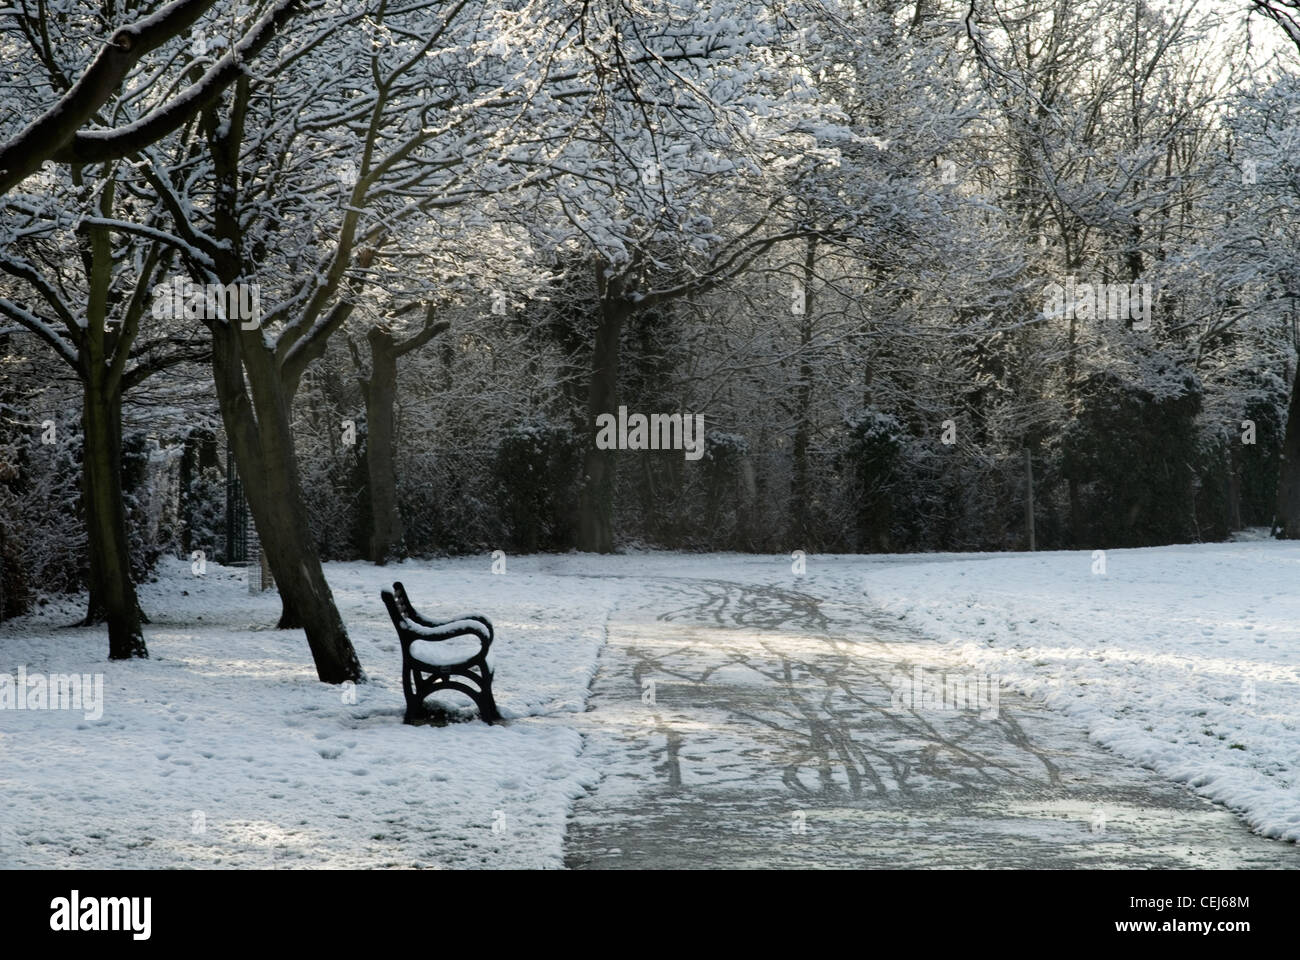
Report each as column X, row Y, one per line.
column 748, row 725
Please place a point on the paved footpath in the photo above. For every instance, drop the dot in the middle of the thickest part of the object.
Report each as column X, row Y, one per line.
column 765, row 737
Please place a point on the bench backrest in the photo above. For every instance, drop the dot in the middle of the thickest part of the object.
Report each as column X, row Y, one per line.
column 399, row 619
column 404, row 602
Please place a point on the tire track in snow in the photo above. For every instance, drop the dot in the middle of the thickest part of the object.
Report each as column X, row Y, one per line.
column 771, row 741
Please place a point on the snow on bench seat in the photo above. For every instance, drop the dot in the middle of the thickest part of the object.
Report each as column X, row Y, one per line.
column 445, row 653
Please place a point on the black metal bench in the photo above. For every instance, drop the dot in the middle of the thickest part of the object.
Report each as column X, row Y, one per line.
column 428, row 666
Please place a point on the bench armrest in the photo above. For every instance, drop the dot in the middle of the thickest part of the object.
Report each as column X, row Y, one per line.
column 452, row 628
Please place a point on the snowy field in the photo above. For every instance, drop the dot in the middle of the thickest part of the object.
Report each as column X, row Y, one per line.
column 224, row 751
column 1185, row 659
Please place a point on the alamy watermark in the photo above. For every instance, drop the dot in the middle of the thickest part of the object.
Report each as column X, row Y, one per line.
column 183, row 299
column 659, row 431
column 55, row 691
column 1099, row 301
column 923, row 691
column 75, row 913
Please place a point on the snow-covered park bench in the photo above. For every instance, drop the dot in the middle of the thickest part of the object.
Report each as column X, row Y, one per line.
column 439, row 656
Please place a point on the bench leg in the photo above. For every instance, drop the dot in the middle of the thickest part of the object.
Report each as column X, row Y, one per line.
column 415, row 709
column 415, row 715
column 487, row 705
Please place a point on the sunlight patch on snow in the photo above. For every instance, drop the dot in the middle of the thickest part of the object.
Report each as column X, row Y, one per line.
column 1185, row 659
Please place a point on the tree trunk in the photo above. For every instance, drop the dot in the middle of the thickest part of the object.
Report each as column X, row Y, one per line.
column 200, row 452
column 95, row 612
column 101, row 488
column 799, row 487
column 387, row 535
column 255, row 398
column 262, row 443
column 1286, row 524
column 596, row 505
column 1029, row 501
column 1234, row 488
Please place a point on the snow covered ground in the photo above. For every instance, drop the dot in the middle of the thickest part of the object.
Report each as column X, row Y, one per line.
column 1185, row 659
column 223, row 750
